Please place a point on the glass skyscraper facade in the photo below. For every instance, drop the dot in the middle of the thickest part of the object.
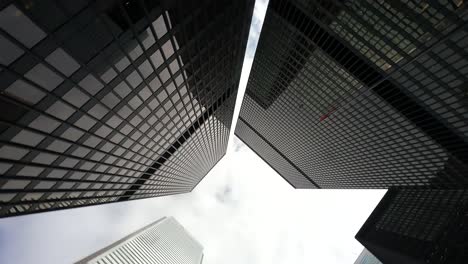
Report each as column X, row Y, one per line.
column 164, row 242
column 361, row 94
column 418, row 226
column 107, row 101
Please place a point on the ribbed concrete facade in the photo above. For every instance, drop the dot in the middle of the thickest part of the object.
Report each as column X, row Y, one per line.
column 162, row 242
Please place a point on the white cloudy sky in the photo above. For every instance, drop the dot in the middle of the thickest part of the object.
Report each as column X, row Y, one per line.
column 242, row 212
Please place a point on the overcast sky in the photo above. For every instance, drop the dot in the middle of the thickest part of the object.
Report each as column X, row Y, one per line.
column 242, row 212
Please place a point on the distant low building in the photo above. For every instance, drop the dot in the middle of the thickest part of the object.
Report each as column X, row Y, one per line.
column 367, row 258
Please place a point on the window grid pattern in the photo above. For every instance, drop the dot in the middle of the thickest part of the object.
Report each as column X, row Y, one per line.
column 426, row 224
column 127, row 102
column 296, row 178
column 344, row 118
column 434, row 214
column 165, row 242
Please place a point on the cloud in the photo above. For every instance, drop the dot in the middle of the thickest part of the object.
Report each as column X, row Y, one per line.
column 254, row 33
column 225, row 195
column 238, row 145
column 256, row 26
column 242, row 212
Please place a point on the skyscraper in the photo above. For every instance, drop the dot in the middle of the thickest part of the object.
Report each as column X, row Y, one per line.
column 366, row 258
column 361, row 94
column 164, row 241
column 107, row 101
column 418, row 226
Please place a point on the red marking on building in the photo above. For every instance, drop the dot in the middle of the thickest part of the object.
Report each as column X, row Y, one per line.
column 325, row 116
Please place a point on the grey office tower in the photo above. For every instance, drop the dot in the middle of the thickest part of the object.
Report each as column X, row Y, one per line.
column 164, row 242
